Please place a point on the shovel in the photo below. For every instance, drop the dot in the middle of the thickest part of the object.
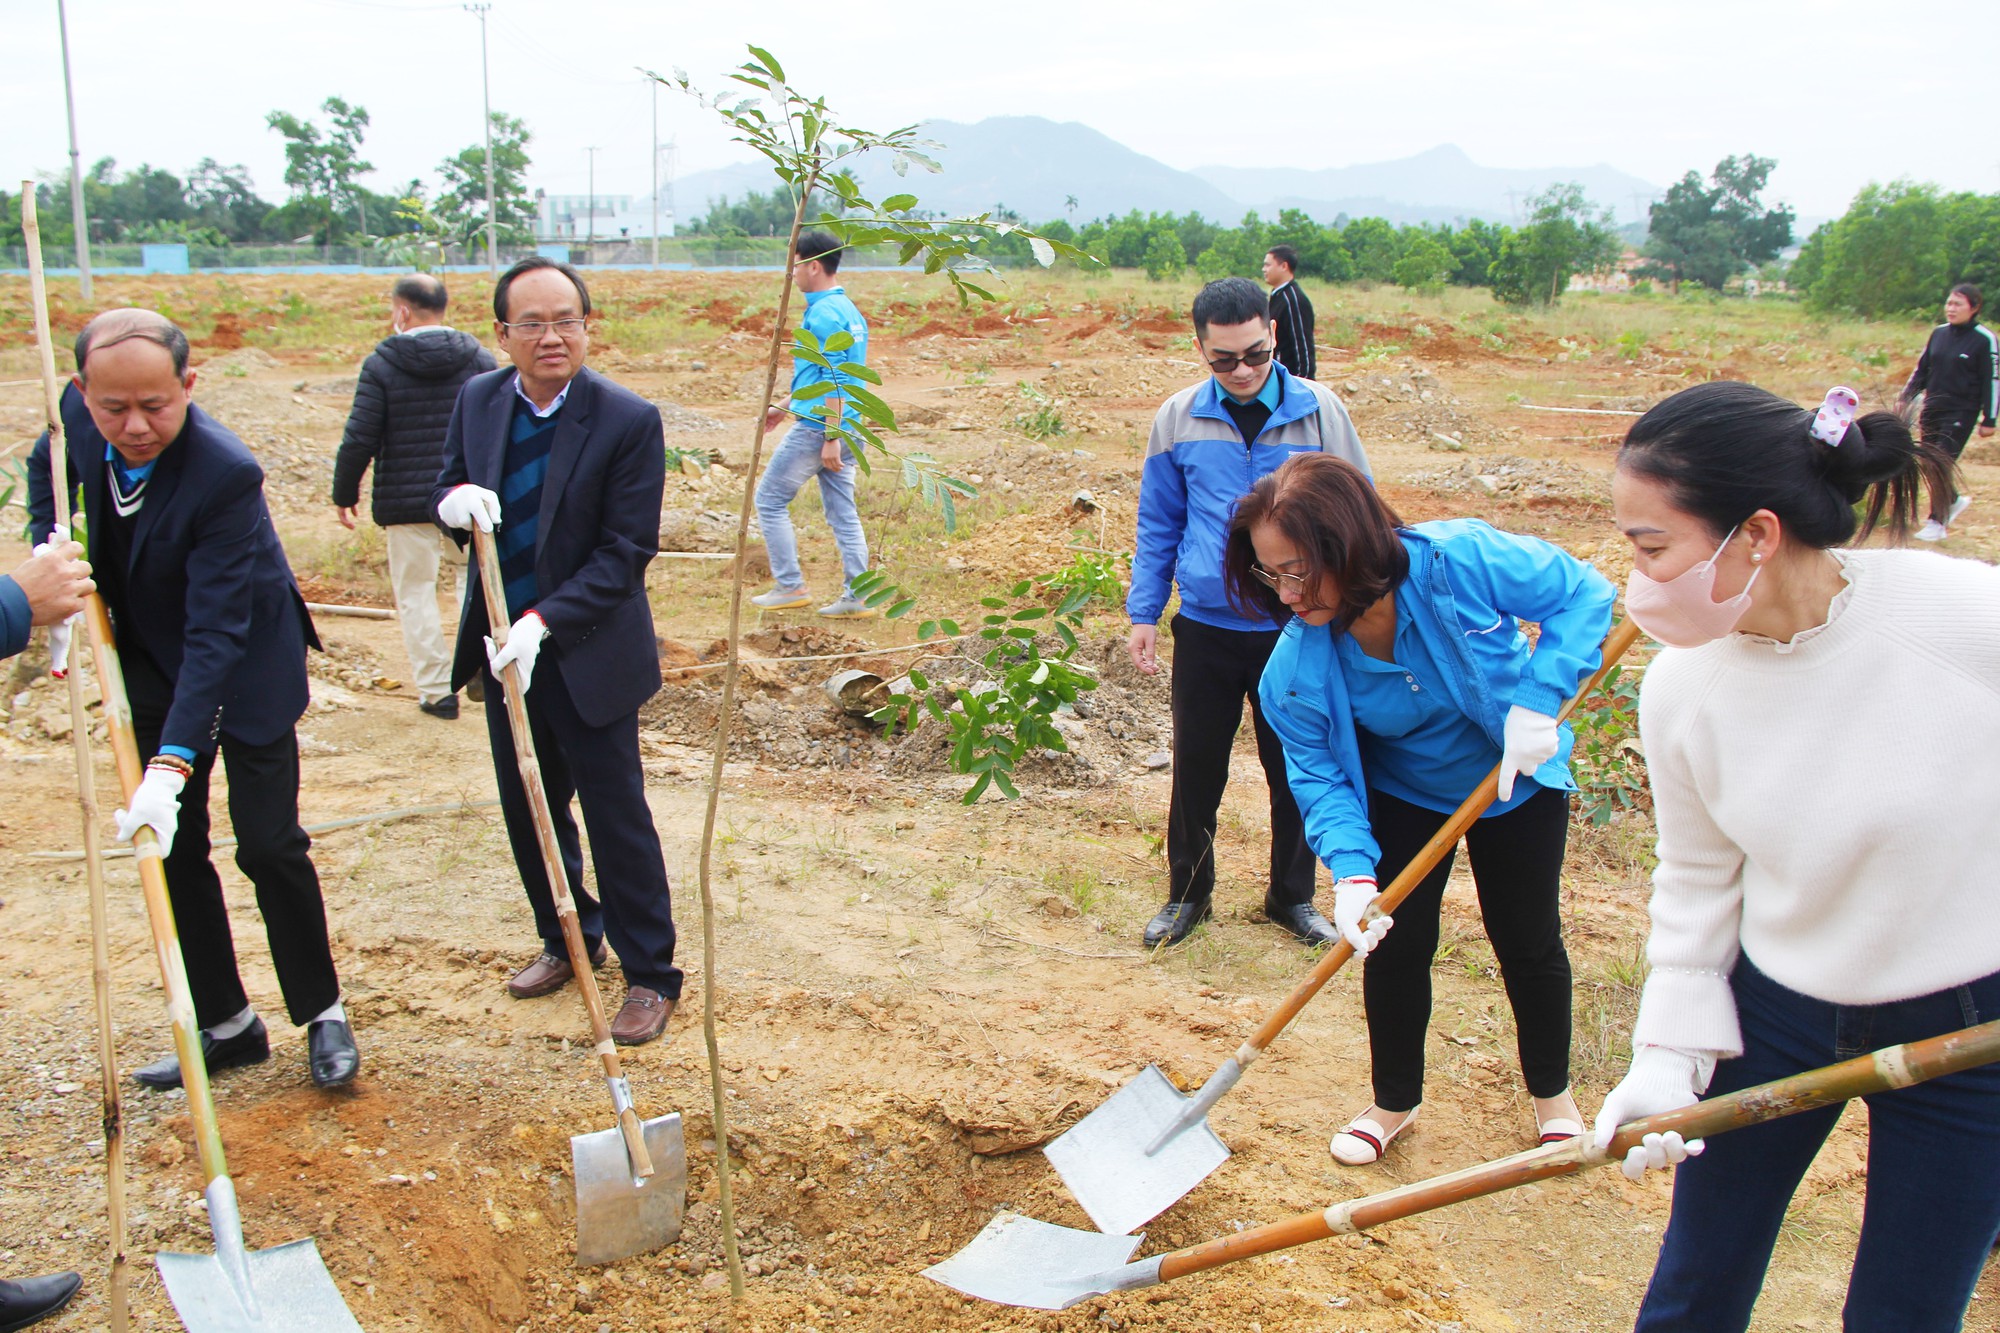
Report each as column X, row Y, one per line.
column 1019, row 1261
column 1135, row 1156
column 631, row 1181
column 285, row 1289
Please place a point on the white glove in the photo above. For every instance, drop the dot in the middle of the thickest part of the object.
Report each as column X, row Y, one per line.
column 59, row 649
column 468, row 507
column 1530, row 740
column 1661, row 1079
column 156, row 805
column 524, row 645
column 1351, row 897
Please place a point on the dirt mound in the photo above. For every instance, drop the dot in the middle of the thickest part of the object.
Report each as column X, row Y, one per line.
column 1519, row 479
column 1042, row 541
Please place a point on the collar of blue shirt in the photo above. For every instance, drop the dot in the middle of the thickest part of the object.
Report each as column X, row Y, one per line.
column 126, row 471
column 1268, row 395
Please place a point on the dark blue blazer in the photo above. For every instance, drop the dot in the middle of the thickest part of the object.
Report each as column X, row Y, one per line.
column 599, row 528
column 208, row 593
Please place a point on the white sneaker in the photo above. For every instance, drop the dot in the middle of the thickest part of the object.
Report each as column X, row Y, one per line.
column 777, row 599
column 1958, row 506
column 1931, row 531
column 848, row 607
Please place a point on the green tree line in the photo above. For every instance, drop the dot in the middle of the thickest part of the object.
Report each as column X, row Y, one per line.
column 1899, row 248
column 213, row 204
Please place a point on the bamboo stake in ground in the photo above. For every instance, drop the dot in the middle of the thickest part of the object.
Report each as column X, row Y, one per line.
column 724, row 714
column 86, row 792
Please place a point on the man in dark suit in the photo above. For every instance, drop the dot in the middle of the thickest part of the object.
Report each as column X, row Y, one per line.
column 567, row 469
column 212, row 635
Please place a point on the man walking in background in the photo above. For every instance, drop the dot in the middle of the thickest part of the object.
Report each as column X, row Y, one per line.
column 1291, row 312
column 834, row 329
column 1210, row 442
column 212, row 635
column 402, row 404
column 567, row 470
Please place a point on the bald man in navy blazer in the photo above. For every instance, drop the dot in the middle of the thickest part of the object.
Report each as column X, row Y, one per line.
column 212, row 636
column 567, row 470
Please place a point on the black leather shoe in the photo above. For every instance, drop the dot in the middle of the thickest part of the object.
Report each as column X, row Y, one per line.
column 1176, row 921
column 251, row 1046
column 1303, row 921
column 331, row 1052
column 33, row 1299
column 446, row 708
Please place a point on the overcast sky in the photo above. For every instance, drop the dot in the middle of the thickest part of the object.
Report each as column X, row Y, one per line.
column 1838, row 91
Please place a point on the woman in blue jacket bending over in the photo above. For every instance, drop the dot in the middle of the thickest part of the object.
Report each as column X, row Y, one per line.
column 1401, row 681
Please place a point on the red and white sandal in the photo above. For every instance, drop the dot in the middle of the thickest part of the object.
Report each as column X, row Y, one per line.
column 1364, row 1140
column 1556, row 1128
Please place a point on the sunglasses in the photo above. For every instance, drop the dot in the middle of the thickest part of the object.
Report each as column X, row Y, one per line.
column 1222, row 365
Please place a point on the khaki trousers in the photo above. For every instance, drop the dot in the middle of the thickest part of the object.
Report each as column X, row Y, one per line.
column 413, row 572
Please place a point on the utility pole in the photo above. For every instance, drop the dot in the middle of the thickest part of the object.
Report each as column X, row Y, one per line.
column 486, row 98
column 79, row 218
column 656, row 172
column 590, row 241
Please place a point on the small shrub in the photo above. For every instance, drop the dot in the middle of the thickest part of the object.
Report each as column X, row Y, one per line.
column 1610, row 766
column 1043, row 418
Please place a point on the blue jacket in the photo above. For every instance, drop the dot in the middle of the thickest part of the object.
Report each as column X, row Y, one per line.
column 1198, row 466
column 208, row 594
column 1468, row 582
column 827, row 313
column 16, row 617
column 599, row 529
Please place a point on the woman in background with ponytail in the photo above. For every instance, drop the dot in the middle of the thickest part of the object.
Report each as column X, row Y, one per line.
column 1821, row 736
column 1959, row 377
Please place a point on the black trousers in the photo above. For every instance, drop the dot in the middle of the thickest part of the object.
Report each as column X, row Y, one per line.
column 1214, row 671
column 1949, row 431
column 598, row 766
column 272, row 851
column 1517, row 866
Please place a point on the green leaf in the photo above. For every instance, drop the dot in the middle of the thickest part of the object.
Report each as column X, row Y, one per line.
column 809, row 392
column 995, row 602
column 1020, row 589
column 1045, row 254
column 924, row 631
column 839, row 342
column 979, row 787
column 857, row 370
column 1006, row 787
column 1021, row 634
column 950, row 508
column 950, row 627
column 880, row 595
column 1032, row 613
column 920, row 680
column 1067, row 635
column 768, row 61
column 899, row 203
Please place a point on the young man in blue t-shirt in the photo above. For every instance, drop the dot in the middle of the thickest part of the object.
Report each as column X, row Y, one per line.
column 806, row 453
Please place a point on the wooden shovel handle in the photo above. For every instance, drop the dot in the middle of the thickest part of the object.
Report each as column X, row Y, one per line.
column 552, row 862
column 153, row 884
column 1883, row 1071
column 1615, row 643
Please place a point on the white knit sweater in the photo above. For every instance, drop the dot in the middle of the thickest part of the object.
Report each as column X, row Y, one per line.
column 1828, row 806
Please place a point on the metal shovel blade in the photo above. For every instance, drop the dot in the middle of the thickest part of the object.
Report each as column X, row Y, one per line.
column 1102, row 1158
column 1016, row 1260
column 285, row 1289
column 617, row 1214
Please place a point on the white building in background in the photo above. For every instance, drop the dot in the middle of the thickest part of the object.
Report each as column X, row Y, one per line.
column 574, row 218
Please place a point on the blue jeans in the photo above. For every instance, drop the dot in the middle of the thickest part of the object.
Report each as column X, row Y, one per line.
column 793, row 463
column 1933, row 1205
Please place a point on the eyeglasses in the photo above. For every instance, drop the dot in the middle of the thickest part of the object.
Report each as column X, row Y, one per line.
column 1222, row 365
column 1279, row 582
column 535, row 328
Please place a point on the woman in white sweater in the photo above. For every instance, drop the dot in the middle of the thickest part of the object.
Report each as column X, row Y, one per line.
column 1823, row 738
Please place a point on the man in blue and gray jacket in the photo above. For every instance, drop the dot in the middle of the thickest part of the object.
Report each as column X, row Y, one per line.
column 1210, row 444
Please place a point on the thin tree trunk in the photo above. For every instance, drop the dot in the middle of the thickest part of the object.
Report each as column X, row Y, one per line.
column 724, row 713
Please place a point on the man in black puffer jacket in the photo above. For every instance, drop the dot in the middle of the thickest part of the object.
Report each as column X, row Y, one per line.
column 402, row 405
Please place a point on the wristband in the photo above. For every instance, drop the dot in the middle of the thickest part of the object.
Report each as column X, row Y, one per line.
column 172, row 763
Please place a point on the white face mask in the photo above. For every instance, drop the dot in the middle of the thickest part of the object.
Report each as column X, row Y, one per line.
column 1682, row 612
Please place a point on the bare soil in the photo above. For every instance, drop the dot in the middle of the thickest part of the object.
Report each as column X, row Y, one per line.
column 911, row 995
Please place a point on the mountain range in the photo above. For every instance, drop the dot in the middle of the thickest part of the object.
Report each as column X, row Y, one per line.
column 1036, row 167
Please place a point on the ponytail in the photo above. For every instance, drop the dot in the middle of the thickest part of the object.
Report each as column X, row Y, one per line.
column 1724, row 450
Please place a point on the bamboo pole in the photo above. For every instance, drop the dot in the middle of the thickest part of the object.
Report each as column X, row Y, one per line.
column 723, row 716
column 488, row 549
column 86, row 792
column 1883, row 1071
